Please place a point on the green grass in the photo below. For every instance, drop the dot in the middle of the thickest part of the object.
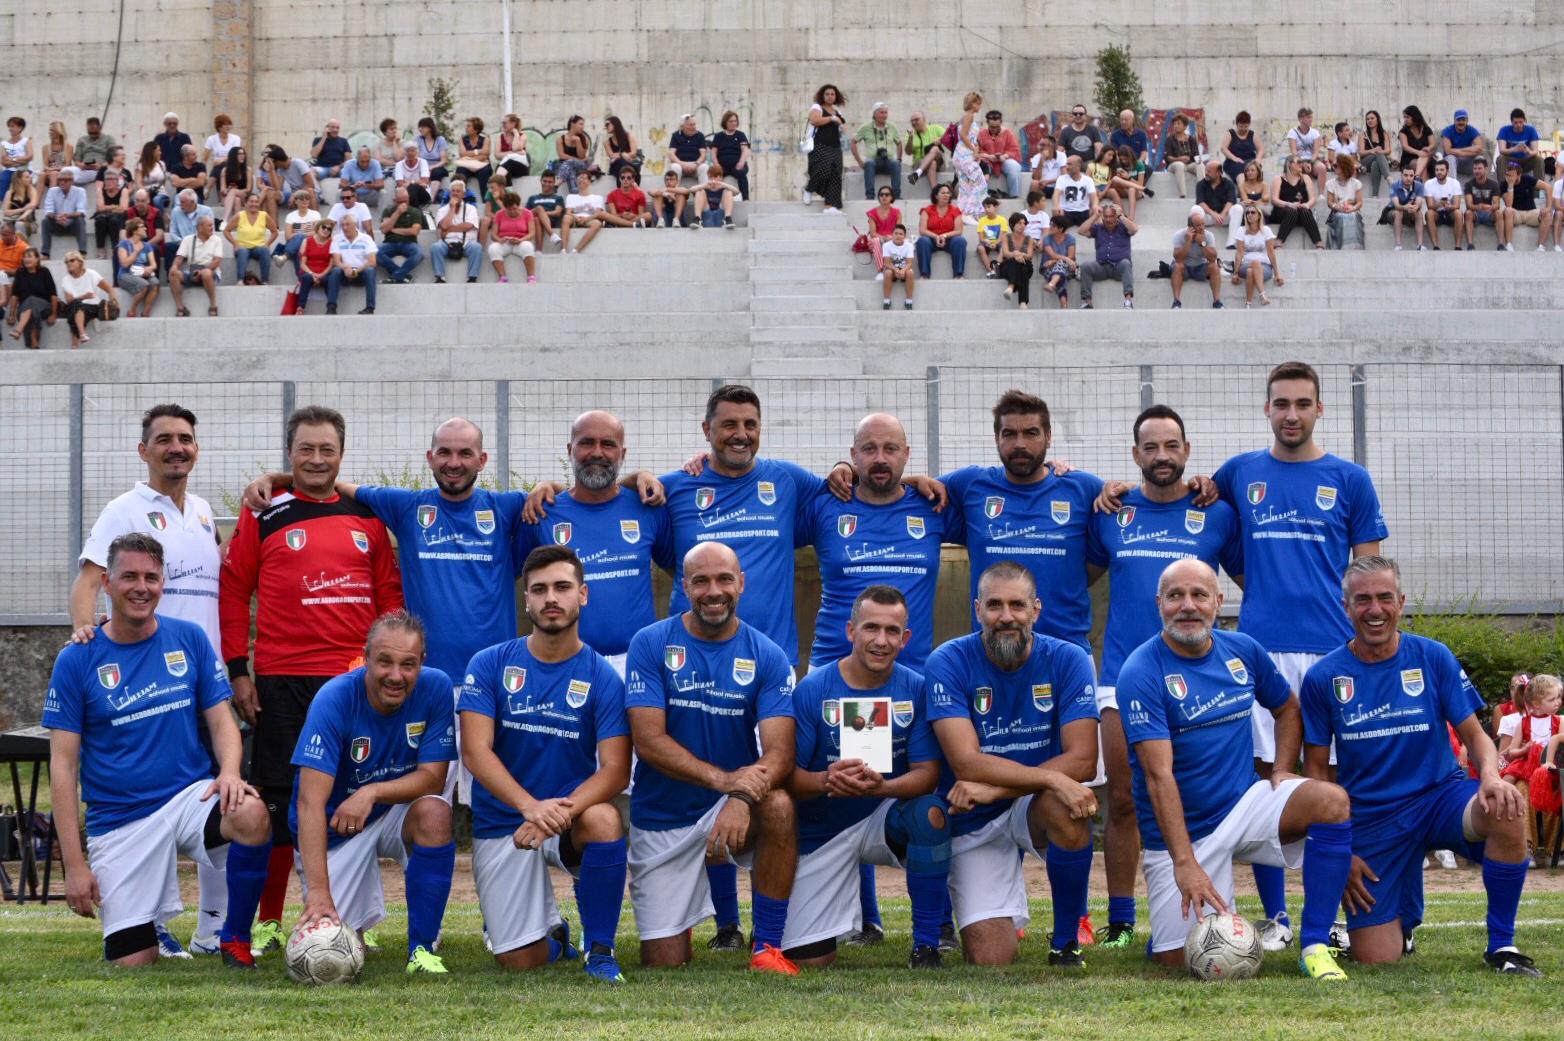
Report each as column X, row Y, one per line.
column 52, row 985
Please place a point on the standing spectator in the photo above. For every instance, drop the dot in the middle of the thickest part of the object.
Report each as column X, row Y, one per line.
column 65, row 211
column 1518, row 144
column 16, row 152
column 990, row 233
column 1079, row 139
column 313, row 262
column 688, row 150
column 433, row 150
column 512, row 235
column 137, row 262
column 882, row 219
column 111, row 200
column 365, row 175
column 390, row 148
column 1417, row 142
column 233, row 182
column 12, row 249
column 353, row 257
column 731, row 150
column 895, row 259
column 1406, row 206
column 939, row 228
column 221, row 143
column 189, row 173
column 182, row 221
column 399, row 227
column 1344, row 198
column 1180, row 151
column 297, row 224
column 882, row 144
column 673, row 202
column 56, row 154
column 1058, row 264
column 824, row 139
column 1443, row 195
column 1374, row 151
column 548, row 207
column 1240, row 146
column 1195, row 256
column 573, row 152
column 620, row 150
column 472, row 155
column 1520, row 205
column 626, row 203
column 412, row 173
column 93, row 151
column 1015, row 261
column 457, row 224
column 150, row 170
column 1305, row 144
column 969, row 171
column 1128, row 135
column 34, row 300
column 714, row 199
column 1292, row 203
column 1111, row 232
column 172, row 141
column 349, row 202
column 197, row 261
column 1217, row 200
column 83, row 292
column 251, row 235
column 1075, row 196
column 329, row 152
column 21, row 201
column 510, row 149
column 999, row 149
column 1484, row 204
column 1255, row 264
column 922, row 148
column 1047, row 166
column 583, row 209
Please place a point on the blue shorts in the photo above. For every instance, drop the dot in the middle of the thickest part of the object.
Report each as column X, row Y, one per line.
column 1393, row 848
column 1487, row 216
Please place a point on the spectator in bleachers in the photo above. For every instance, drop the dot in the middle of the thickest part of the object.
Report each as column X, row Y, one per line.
column 366, row 175
column 221, row 142
column 118, row 166
column 64, row 211
column 730, row 148
column 882, row 219
column 56, row 154
column 881, row 152
column 1101, row 169
column 1255, row 264
column 1374, row 152
column 548, row 207
column 1000, row 151
column 1216, row 198
column 1442, row 195
column 1292, row 203
column 493, row 201
column 136, row 260
column 12, row 246
column 1520, row 204
column 1344, row 199
column 510, row 149
column 673, row 202
column 1514, row 702
column 82, row 293
column 197, row 261
column 171, row 142
column 16, row 151
column 1016, row 251
column 412, row 173
column 1079, row 138
column 1252, row 188
column 34, row 300
column 280, row 176
column 1416, row 138
column 1343, row 142
column 182, row 222
column 1075, row 196
column 688, row 150
column 1037, row 216
column 1462, row 144
column 353, row 257
column 314, row 264
column 1406, row 206
column 433, row 150
column 573, row 152
column 329, row 151
column 1240, row 145
column 1128, row 135
column 1484, row 204
column 92, row 152
column 825, row 148
column 473, row 155
column 150, row 216
column 939, row 228
column 1308, row 145
column 1518, row 144
column 714, row 201
column 150, row 170
column 972, row 182
column 21, row 201
column 1058, row 264
column 189, row 173
column 111, row 200
column 512, row 235
column 1553, row 203
column 1126, row 182
column 896, row 256
column 1047, row 166
column 233, row 182
column 627, row 203
column 619, row 149
column 457, row 222
column 251, row 234
column 399, row 227
column 1195, row 256
column 1111, row 231
column 349, row 202
column 990, row 233
column 1180, row 152
column 1524, row 737
column 583, row 209
column 922, row 148
column 297, row 224
column 390, row 148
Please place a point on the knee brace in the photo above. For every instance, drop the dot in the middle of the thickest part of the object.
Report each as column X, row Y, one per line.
column 923, row 826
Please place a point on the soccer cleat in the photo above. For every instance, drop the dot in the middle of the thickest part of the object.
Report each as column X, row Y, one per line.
column 1408, row 946
column 370, row 941
column 1275, row 934
column 560, row 934
column 1510, row 962
column 267, row 936
column 871, row 935
column 926, row 957
column 602, row 965
column 728, row 938
column 1120, row 934
column 949, row 943
column 1085, row 935
column 238, row 954
column 1317, row 963
column 167, row 946
column 424, row 960
column 1340, row 939
column 769, row 959
column 1446, row 858
column 1069, row 958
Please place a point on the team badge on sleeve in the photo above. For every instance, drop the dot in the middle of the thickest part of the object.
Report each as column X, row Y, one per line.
column 295, row 539
column 1235, row 666
column 358, row 751
column 158, row 521
column 514, row 678
column 1125, row 516
column 108, row 675
column 766, row 492
column 1059, row 510
column 484, row 519
column 414, row 732
column 426, row 516
column 983, row 700
column 1412, row 682
column 1194, row 521
column 915, row 527
column 1341, row 686
column 361, row 540
column 673, row 657
column 831, row 712
column 562, row 533
column 1255, row 493
column 206, row 522
column 1043, row 697
column 743, row 670
column 576, row 693
column 704, row 497
column 175, row 660
column 901, row 713
column 1176, row 686
column 993, row 506
column 630, row 531
column 846, row 524
column 1325, row 497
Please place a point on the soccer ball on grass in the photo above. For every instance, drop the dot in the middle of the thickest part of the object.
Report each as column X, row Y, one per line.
column 326, row 952
column 1223, row 947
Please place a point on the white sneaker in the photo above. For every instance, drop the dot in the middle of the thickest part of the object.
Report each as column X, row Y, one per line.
column 1509, row 247
column 1559, row 248
column 554, row 239
column 1422, row 249
column 1129, row 303
column 1446, row 858
column 1542, row 249
column 879, row 276
column 830, row 209
column 1398, row 249
column 1274, row 935
column 809, row 196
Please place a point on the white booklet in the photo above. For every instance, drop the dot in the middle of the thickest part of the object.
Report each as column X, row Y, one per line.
column 866, row 732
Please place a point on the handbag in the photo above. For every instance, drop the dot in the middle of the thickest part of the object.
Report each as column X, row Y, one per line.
column 110, row 309
column 806, row 144
column 290, row 303
column 861, row 243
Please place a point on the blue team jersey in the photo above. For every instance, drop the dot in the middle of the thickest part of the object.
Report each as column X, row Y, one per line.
column 1018, row 715
column 1299, row 522
column 548, row 720
column 860, row 545
column 1388, row 721
column 1136, row 545
column 1041, row 526
column 458, row 567
column 757, row 517
column 715, row 695
column 1203, row 707
column 817, row 709
column 618, row 541
column 346, row 738
column 135, row 706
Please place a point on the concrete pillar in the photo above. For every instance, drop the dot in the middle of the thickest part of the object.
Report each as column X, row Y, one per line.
column 233, row 64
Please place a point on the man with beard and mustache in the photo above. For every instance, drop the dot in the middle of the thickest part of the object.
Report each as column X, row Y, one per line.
column 699, row 685
column 1016, row 717
column 1188, row 694
column 545, row 736
column 1155, row 524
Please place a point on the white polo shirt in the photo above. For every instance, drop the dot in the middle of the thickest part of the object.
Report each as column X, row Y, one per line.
column 191, row 555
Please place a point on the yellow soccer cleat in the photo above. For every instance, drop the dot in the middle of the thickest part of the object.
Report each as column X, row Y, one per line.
column 1317, row 962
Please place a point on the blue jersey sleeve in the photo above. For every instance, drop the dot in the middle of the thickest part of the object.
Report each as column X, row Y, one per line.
column 385, row 503
column 957, row 483
column 807, row 526
column 608, row 715
column 664, row 550
column 644, row 672
column 1270, row 686
column 438, row 744
column 1231, row 555
column 1141, row 707
column 320, row 742
column 1457, row 696
column 211, row 677
column 1075, row 685
column 944, row 688
column 1224, row 477
column 63, row 707
column 1366, row 521
column 1096, row 548
column 775, row 676
column 523, row 541
column 806, row 724
column 1314, row 699
column 478, row 686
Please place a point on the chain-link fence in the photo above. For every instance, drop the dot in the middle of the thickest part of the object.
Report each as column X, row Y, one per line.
column 1468, row 459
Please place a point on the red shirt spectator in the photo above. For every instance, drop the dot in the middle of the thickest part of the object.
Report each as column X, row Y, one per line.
column 946, row 224
column 315, row 255
column 517, row 227
column 627, row 202
column 1003, row 143
column 883, row 226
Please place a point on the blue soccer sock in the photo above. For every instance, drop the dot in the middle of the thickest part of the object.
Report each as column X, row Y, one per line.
column 1069, row 871
column 1504, row 883
column 1327, row 861
column 429, row 871
column 724, row 882
column 246, row 879
column 868, row 899
column 1121, row 910
column 768, row 918
column 950, row 909
column 1272, row 884
column 601, row 891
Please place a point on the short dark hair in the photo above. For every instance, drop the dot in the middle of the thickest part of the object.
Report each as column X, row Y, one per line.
column 399, row 619
column 1342, row 126
column 1294, row 370
column 136, row 542
column 510, row 199
column 158, row 412
column 543, row 556
column 1017, row 218
column 1243, row 117
column 899, row 227
column 994, row 113
column 314, row 414
column 1033, row 198
column 1156, row 412
column 387, row 122
column 1516, row 113
column 890, row 596
column 735, row 393
column 1015, row 402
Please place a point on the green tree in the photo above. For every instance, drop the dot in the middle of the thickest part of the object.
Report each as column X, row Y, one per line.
column 441, row 106
column 1118, row 88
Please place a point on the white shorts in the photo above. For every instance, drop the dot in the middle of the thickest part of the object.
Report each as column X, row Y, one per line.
column 515, row 893
column 5, row 279
column 824, row 904
column 985, row 873
column 618, row 662
column 1293, row 665
column 668, row 887
column 498, row 250
column 136, row 864
column 354, row 868
column 1250, row 833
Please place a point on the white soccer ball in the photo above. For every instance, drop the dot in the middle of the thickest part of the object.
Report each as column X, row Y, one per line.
column 327, row 952
column 1223, row 947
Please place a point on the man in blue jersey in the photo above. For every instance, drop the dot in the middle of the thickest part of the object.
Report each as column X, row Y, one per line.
column 545, row 736
column 1016, row 716
column 1155, row 524
column 1386, row 698
column 141, row 685
column 852, row 811
column 698, row 687
column 1187, row 696
column 372, row 760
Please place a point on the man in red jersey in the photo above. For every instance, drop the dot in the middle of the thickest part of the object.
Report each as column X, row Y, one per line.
column 321, row 569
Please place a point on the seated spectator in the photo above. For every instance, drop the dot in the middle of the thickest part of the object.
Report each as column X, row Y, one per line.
column 390, row 148
column 329, row 151
column 1520, row 205
column 1555, row 209
column 22, row 201
column 34, row 300
column 1111, row 231
column 12, row 246
column 939, row 228
column 57, row 154
column 1047, row 165
column 882, row 219
column 895, row 260
column 16, row 151
column 1217, row 200
column 349, row 202
column 548, row 208
column 687, row 150
column 1406, row 206
column 365, row 175
column 1080, row 139
column 1528, row 741
column 1000, row 151
column 233, row 182
column 117, row 165
column 991, row 229
column 297, row 224
column 1240, row 146
column 1306, row 144
column 493, row 202
column 251, row 235
column 279, row 177
column 510, row 149
column 1292, row 203
column 65, row 212
column 150, row 170
column 627, row 203
column 1180, row 152
column 1462, row 143
column 182, row 221
column 112, row 200
column 880, row 152
column 730, row 150
column 136, row 260
column 1344, row 199
column 472, row 155
column 512, row 235
column 1126, row 182
column 1195, row 256
column 93, row 151
column 1058, row 264
column 1442, row 195
column 172, row 141
column 714, row 201
column 1128, row 135
column 314, row 263
column 1101, row 170
column 573, row 152
column 583, row 209
column 221, row 143
column 197, row 261
column 412, row 173
column 1484, row 204
column 1255, row 264
column 457, row 222
column 151, row 218
column 1416, row 138
column 189, row 173
column 1374, row 152
column 399, row 227
column 82, row 294
column 673, row 203
column 433, row 150
column 1016, row 251
column 1518, row 144
column 1075, row 196
column 1343, row 142
column 922, row 148
column 1252, row 189
column 353, row 256
column 620, row 150
column 1037, row 216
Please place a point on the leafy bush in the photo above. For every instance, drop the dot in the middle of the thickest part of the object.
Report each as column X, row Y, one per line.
column 1117, row 88
column 1493, row 648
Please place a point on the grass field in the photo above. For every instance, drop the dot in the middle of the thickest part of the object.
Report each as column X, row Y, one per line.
column 53, row 985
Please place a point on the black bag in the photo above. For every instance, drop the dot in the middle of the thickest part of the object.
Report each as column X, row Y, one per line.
column 456, row 250
column 1385, row 215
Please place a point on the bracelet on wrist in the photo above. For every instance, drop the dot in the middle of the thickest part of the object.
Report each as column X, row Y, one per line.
column 742, row 797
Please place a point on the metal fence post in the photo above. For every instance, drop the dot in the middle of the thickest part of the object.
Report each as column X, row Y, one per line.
column 73, row 530
column 1359, row 382
column 931, row 396
column 288, row 405
column 502, row 433
column 1148, row 387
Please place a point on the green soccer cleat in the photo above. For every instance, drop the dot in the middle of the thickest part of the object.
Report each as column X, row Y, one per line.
column 1120, row 934
column 1317, row 963
column 267, row 936
column 370, row 940
column 424, row 960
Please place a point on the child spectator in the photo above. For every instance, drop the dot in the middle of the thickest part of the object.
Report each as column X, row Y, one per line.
column 714, row 201
column 1524, row 737
column 896, row 256
column 1515, row 702
column 990, row 232
column 670, row 202
column 882, row 223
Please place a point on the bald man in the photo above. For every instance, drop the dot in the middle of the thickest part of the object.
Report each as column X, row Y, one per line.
column 1185, row 697
column 698, row 687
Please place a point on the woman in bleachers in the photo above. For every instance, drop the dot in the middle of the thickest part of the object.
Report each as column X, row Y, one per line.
column 1125, row 185
column 1416, row 138
column 21, row 202
column 1374, row 152
column 1058, row 265
column 16, row 151
column 251, row 235
column 1255, row 264
column 111, row 201
column 619, row 149
column 314, row 264
column 57, row 154
column 150, row 171
column 297, row 225
column 83, row 292
column 1016, row 250
column 233, row 182
column 1344, row 196
column 432, row 149
column 882, row 219
column 510, row 149
column 731, row 150
column 472, row 156
column 136, row 260
column 824, row 140
column 220, row 144
column 1240, row 146
column 1180, row 151
column 389, row 148
column 939, row 227
column 492, row 203
column 1292, row 203
column 34, row 300
column 969, row 171
column 1252, row 187
column 572, row 152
